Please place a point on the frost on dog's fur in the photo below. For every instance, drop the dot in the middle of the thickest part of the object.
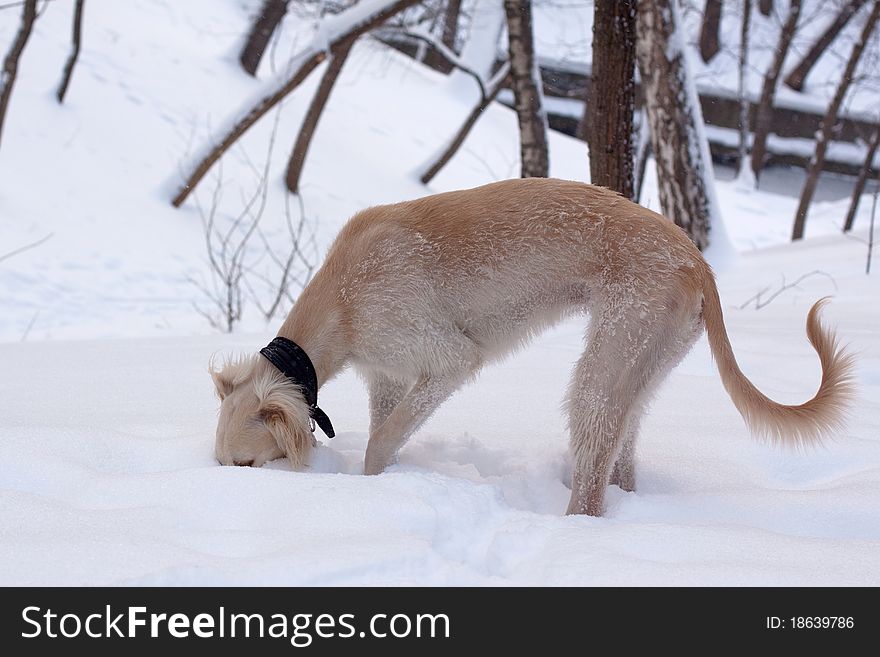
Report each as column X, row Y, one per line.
column 420, row 295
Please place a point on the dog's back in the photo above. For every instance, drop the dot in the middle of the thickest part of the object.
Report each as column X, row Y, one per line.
column 501, row 262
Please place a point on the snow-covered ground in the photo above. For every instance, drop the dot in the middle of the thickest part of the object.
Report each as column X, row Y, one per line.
column 107, row 413
column 108, row 474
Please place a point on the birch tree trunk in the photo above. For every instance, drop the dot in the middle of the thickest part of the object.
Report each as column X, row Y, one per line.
column 609, row 113
column 764, row 113
column 527, row 91
column 684, row 168
column 10, row 63
column 828, row 122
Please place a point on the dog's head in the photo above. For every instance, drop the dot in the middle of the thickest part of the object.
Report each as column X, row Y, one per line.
column 263, row 416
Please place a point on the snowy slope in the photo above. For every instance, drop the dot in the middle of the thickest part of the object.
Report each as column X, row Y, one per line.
column 108, row 475
column 154, row 81
column 107, row 413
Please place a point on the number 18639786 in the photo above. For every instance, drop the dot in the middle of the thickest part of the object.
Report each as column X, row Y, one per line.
column 810, row 623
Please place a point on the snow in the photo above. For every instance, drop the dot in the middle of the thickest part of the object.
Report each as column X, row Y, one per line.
column 108, row 413
column 109, row 475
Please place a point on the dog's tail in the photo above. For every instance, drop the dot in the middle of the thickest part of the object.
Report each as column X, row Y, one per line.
column 803, row 424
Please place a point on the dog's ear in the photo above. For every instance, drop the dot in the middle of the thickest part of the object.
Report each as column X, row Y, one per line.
column 222, row 382
column 291, row 432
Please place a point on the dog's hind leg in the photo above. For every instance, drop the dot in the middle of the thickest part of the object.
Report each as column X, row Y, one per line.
column 626, row 359
column 624, row 473
column 407, row 416
column 597, row 411
column 385, row 394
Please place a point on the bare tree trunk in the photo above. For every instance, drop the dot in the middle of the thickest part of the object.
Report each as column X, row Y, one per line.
column 859, row 187
column 527, row 92
column 303, row 64
column 744, row 99
column 465, row 129
column 313, row 115
column 684, row 168
column 764, row 113
column 710, row 43
column 798, row 75
column 10, row 63
column 74, row 53
column 828, row 122
column 612, row 96
column 765, row 6
column 450, row 23
column 265, row 23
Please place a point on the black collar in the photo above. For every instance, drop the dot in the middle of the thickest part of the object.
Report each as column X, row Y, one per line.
column 294, row 363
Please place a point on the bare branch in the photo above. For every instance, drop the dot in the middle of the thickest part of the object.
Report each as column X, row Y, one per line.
column 454, row 60
column 313, row 115
column 265, row 24
column 455, row 143
column 859, row 186
column 10, row 63
column 76, row 41
column 761, row 302
column 20, row 249
column 233, row 268
column 828, row 122
column 300, row 68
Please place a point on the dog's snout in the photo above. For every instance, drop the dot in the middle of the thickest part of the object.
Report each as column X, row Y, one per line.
column 244, row 463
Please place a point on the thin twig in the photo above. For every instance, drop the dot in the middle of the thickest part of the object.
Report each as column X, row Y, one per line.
column 20, row 249
column 454, row 60
column 30, row 325
column 233, row 268
column 760, row 302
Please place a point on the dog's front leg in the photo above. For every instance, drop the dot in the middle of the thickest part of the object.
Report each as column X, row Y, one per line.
column 412, row 411
column 385, row 394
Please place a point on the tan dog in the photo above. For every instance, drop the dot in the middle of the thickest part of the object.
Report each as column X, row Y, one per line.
column 420, row 295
